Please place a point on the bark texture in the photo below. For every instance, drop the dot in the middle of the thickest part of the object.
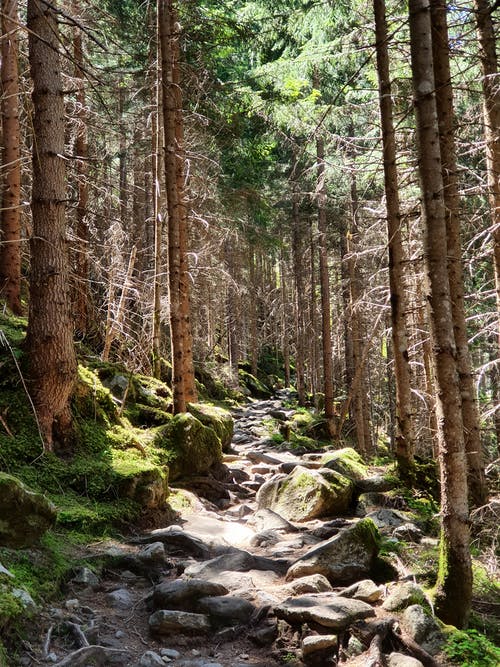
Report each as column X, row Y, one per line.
column 50, row 325
column 10, row 238
column 454, row 586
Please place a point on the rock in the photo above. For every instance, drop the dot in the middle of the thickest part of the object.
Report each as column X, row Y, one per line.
column 151, row 659
column 401, row 660
column 169, row 622
column 324, row 609
column 153, row 554
column 344, row 558
column 280, row 415
column 120, row 599
column 306, row 494
column 24, row 515
column 5, row 572
column 261, row 457
column 347, row 462
column 238, row 561
column 183, row 594
column 265, row 635
column 218, row 419
column 408, row 532
column 386, row 518
column 192, row 447
column 179, row 542
column 227, row 610
column 423, row 628
column 266, row 519
column 170, row 653
column 364, row 590
column 314, row 583
column 85, row 577
column 404, row 595
column 147, row 486
column 318, row 647
column 375, row 484
column 24, row 598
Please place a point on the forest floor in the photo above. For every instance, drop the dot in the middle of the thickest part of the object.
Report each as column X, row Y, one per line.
column 112, row 613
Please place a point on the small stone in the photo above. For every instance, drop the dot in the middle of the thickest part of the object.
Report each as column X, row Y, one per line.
column 24, row 598
column 5, row 571
column 401, row 660
column 243, row 656
column 120, row 598
column 85, row 576
column 354, row 647
column 404, row 595
column 72, row 605
column 151, row 659
column 169, row 622
column 364, row 590
column 195, row 652
column 170, row 653
column 153, row 554
column 119, row 634
column 52, row 657
column 318, row 644
column 408, row 532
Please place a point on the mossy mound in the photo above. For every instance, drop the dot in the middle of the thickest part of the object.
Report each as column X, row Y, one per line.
column 91, row 399
column 190, row 447
column 216, row 418
column 24, row 515
column 347, row 462
column 253, row 385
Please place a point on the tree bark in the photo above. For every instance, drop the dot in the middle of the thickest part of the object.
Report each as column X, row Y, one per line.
column 454, row 585
column 182, row 360
column 478, row 494
column 299, row 295
column 10, row 239
column 51, row 352
column 404, row 438
column 324, row 279
column 157, row 219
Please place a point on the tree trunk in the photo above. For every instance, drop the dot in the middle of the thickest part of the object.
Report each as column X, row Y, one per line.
column 50, row 346
column 10, row 239
column 157, row 219
column 478, row 493
column 81, row 303
column 182, row 359
column 324, row 279
column 491, row 113
column 404, row 437
column 454, row 586
column 299, row 296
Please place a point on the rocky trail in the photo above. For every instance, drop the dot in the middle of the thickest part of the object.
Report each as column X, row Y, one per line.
column 270, row 563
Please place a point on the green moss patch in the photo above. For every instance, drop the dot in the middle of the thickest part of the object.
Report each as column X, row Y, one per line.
column 216, row 418
column 347, row 462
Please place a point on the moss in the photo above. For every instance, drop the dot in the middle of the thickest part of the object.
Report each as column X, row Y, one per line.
column 253, row 385
column 347, row 462
column 368, row 532
column 92, row 400
column 215, row 418
column 188, row 447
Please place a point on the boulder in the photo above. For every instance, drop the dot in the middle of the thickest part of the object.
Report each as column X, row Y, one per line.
column 314, row 583
column 24, row 515
column 408, row 532
column 365, row 590
column 306, row 494
column 347, row 462
column 147, row 485
column 316, row 648
column 388, row 519
column 376, row 484
column 237, row 561
column 151, row 659
column 324, row 609
column 168, row 622
column 192, row 448
column 401, row 660
column 218, row 419
column 403, row 595
column 227, row 610
column 423, row 628
column 183, row 594
column 344, row 558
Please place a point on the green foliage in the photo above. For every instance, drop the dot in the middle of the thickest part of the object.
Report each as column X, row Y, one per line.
column 471, row 649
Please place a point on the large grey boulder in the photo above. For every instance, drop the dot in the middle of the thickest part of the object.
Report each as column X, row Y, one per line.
column 347, row 462
column 218, row 419
column 423, row 628
column 227, row 610
column 324, row 609
column 238, row 561
column 403, row 595
column 345, row 558
column 183, row 594
column 306, row 494
column 24, row 515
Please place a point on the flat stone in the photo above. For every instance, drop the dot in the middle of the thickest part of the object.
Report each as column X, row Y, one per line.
column 365, row 590
column 183, row 594
column 170, row 653
column 120, row 599
column 324, row 609
column 151, row 659
column 318, row 644
column 314, row 583
column 266, row 519
column 239, row 561
column 227, row 610
column 169, row 622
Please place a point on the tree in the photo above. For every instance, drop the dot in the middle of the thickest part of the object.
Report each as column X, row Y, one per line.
column 52, row 360
column 404, row 441
column 180, row 331
column 454, row 585
column 445, row 114
column 10, row 245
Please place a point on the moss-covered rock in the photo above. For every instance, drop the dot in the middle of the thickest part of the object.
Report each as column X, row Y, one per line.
column 254, row 386
column 306, row 494
column 190, row 447
column 345, row 558
column 140, row 480
column 216, row 418
column 91, row 399
column 347, row 462
column 24, row 515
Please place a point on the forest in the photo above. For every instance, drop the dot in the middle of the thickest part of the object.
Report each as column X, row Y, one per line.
column 249, row 333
